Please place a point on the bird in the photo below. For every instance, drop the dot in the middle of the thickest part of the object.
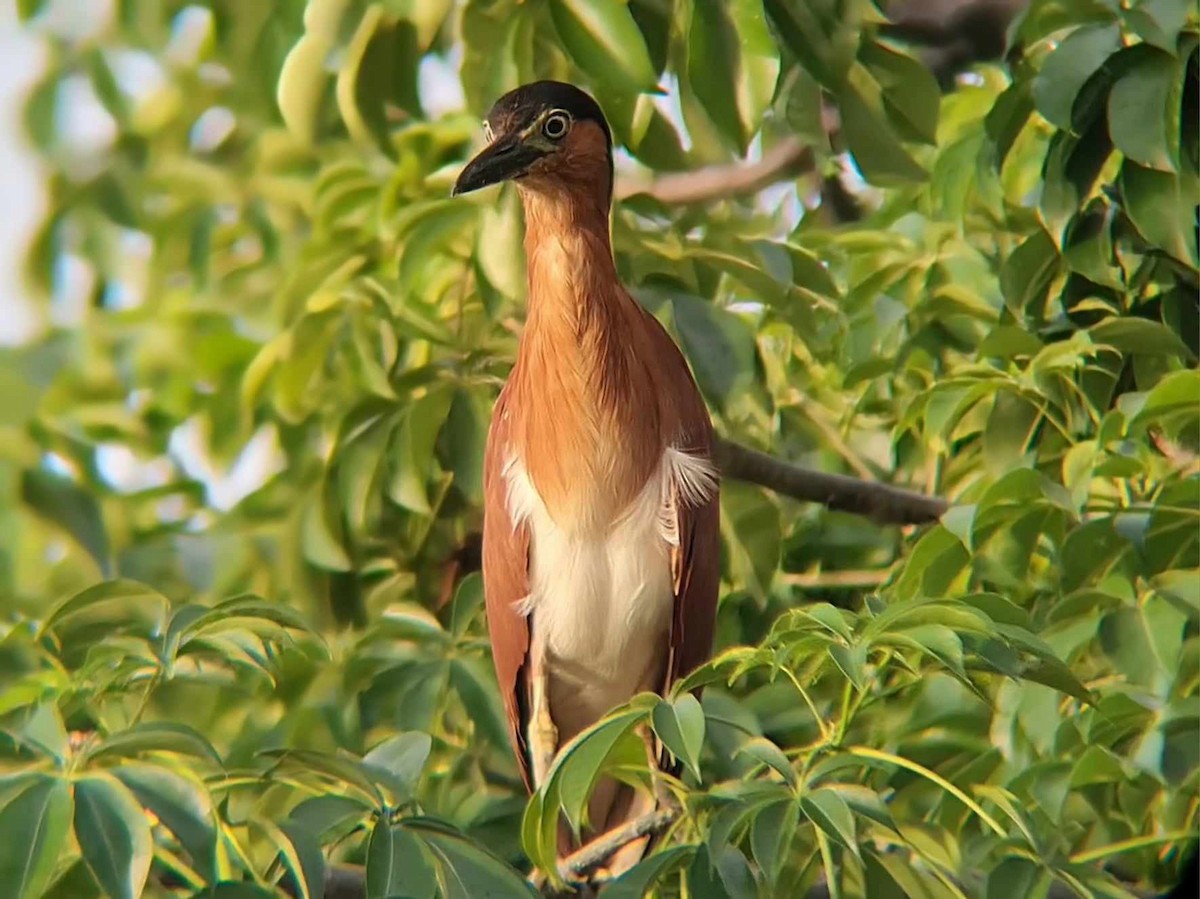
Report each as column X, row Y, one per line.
column 601, row 495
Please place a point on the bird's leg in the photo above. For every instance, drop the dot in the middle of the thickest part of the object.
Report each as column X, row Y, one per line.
column 543, row 735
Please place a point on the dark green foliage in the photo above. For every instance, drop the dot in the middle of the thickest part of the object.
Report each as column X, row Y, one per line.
column 218, row 692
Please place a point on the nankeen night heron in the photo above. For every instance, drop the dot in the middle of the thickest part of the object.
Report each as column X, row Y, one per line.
column 600, row 536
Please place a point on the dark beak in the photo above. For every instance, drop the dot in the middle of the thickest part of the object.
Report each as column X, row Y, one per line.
column 504, row 159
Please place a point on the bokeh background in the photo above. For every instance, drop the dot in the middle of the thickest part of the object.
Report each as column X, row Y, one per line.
column 250, row 347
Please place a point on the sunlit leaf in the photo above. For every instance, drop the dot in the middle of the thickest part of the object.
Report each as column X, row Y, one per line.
column 36, row 823
column 113, row 835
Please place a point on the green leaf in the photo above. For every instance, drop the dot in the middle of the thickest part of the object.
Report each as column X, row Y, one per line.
column 771, row 836
column 829, row 811
column 851, row 661
column 35, row 824
column 581, row 761
column 680, row 725
column 1068, row 68
column 911, row 95
column 1139, row 335
column 937, row 641
column 183, row 806
column 379, row 70
column 467, row 870
column 809, row 32
column 767, row 753
column 1009, row 431
column 638, row 880
column 1026, row 275
column 1097, row 765
column 329, row 817
column 732, row 66
column 413, row 452
column 1159, row 21
column 231, row 890
column 603, row 38
column 41, row 729
column 1126, row 641
column 480, row 699
column 718, row 344
column 884, row 881
column 1162, row 206
column 751, row 525
column 499, row 248
column 704, row 877
column 460, row 445
column 301, row 856
column 336, row 767
column 157, row 736
column 301, row 86
column 1173, row 394
column 113, row 835
column 866, row 128
column 1012, row 877
column 401, row 758
column 131, row 599
column 1143, row 108
column 1007, row 119
column 863, row 801
column 63, row 502
column 398, row 864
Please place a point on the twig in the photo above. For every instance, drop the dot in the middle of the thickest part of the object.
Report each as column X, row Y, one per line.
column 881, row 502
column 720, row 182
column 584, row 861
column 825, row 580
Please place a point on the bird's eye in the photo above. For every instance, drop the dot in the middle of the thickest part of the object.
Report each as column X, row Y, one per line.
column 487, row 131
column 556, row 125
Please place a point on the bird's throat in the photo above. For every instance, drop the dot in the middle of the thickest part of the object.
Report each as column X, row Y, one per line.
column 595, row 439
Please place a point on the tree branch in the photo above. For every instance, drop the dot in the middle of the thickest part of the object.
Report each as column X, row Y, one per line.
column 720, row 182
column 587, row 859
column 880, row 502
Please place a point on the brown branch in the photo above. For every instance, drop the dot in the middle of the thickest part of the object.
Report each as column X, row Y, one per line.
column 880, row 502
column 579, row 864
column 720, row 182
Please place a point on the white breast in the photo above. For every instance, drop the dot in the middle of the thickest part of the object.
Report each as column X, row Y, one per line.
column 601, row 599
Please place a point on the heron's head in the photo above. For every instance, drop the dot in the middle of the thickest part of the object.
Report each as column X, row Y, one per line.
column 547, row 136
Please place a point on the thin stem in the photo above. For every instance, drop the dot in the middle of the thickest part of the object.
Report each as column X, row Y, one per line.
column 844, row 715
column 1092, row 855
column 824, row 580
column 831, row 878
column 867, row 752
column 811, row 706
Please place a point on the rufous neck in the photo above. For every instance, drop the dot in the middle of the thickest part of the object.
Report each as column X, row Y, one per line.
column 568, row 251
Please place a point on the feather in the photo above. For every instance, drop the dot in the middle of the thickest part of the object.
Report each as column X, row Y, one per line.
column 600, row 545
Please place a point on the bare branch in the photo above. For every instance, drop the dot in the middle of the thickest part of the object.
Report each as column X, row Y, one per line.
column 880, row 502
column 787, row 158
column 584, row 861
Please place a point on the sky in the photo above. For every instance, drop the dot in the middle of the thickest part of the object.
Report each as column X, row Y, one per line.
column 21, row 182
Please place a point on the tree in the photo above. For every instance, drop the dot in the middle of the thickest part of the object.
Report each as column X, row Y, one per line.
column 242, row 642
